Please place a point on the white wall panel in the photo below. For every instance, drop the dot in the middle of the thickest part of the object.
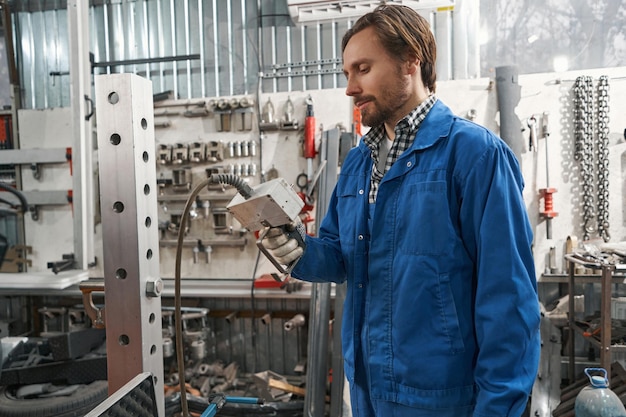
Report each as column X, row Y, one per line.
column 51, row 236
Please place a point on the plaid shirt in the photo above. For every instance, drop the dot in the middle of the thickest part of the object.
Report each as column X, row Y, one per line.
column 405, row 134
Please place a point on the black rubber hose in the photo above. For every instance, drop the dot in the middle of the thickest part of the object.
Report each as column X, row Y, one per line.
column 231, row 179
column 18, row 194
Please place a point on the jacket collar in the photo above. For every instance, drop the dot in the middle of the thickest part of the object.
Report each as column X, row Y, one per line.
column 437, row 125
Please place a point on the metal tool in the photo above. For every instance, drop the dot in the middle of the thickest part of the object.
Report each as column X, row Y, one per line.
column 309, row 150
column 532, row 138
column 217, row 401
column 547, row 193
column 270, row 204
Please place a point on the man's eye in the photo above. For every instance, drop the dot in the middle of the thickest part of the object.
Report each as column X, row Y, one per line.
column 364, row 69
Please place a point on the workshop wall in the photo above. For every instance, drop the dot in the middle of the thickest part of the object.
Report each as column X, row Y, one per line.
column 282, row 150
column 278, row 152
column 553, row 93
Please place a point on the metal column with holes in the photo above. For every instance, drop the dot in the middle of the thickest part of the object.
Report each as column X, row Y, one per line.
column 128, row 198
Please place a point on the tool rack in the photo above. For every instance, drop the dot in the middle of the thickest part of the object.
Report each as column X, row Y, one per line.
column 608, row 266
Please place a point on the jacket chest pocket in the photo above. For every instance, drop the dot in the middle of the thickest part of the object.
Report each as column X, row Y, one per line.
column 423, row 219
column 349, row 210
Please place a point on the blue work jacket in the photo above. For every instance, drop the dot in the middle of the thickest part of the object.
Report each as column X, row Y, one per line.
column 444, row 281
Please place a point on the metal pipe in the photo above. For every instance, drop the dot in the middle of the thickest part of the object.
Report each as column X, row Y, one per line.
column 231, row 317
column 509, row 93
column 296, row 321
column 210, row 242
column 319, row 316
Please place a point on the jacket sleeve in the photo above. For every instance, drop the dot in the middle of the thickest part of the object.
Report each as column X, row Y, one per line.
column 497, row 232
column 322, row 260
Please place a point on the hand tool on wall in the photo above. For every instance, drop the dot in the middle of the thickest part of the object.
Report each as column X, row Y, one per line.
column 309, row 137
column 546, row 193
column 532, row 138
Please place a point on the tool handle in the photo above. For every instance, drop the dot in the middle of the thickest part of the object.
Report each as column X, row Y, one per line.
column 291, row 233
column 244, row 400
column 210, row 411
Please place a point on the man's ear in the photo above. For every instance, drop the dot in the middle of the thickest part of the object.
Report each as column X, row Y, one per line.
column 412, row 65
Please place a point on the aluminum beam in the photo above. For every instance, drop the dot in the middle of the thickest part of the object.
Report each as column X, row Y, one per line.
column 128, row 198
column 41, row 198
column 33, row 156
column 82, row 159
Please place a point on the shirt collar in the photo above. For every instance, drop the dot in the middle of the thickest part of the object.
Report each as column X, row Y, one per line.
column 410, row 122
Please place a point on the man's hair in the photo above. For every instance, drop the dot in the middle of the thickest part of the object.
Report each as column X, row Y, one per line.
column 404, row 34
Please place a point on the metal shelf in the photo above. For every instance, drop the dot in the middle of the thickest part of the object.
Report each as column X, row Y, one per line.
column 608, row 267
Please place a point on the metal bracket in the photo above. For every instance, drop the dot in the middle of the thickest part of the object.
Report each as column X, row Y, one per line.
column 36, row 171
column 96, row 314
column 42, row 198
column 34, row 157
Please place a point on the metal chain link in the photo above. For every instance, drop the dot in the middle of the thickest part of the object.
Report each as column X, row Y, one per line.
column 603, row 158
column 583, row 153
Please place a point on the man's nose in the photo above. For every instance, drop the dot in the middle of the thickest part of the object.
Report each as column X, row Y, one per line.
column 352, row 88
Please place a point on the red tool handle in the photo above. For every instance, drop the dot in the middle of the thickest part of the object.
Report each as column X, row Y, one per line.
column 309, row 137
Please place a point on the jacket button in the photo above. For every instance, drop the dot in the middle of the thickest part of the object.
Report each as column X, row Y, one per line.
column 408, row 164
column 361, row 192
column 360, row 285
column 360, row 237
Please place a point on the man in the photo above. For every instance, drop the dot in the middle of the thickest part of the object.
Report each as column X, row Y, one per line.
column 428, row 226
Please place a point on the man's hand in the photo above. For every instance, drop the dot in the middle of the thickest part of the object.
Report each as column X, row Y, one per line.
column 281, row 246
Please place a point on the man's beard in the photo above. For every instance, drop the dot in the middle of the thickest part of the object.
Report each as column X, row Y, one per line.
column 385, row 109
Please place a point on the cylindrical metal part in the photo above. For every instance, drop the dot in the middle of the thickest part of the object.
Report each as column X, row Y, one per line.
column 509, row 93
column 296, row 321
column 208, row 250
column 195, row 251
column 552, row 259
column 246, row 102
column 222, row 104
column 198, row 350
column 266, row 318
column 245, row 151
column 231, row 317
column 231, row 150
column 168, row 347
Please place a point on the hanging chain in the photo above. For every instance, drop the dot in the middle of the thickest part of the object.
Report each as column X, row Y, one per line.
column 603, row 158
column 583, row 133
